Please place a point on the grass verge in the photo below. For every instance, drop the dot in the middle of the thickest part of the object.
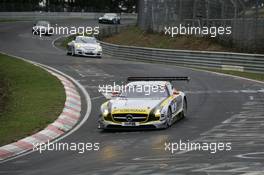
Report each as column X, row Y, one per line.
column 3, row 94
column 133, row 36
column 33, row 99
column 12, row 20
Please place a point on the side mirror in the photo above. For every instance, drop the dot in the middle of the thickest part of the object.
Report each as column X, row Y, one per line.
column 115, row 94
column 111, row 95
column 175, row 92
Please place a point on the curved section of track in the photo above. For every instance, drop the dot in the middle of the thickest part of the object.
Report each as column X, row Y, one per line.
column 221, row 109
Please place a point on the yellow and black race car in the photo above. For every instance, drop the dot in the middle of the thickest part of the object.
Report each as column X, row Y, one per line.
column 145, row 102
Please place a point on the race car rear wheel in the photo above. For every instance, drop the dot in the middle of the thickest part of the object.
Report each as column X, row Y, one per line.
column 184, row 110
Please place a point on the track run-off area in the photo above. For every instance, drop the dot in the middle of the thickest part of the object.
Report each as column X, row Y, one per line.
column 220, row 109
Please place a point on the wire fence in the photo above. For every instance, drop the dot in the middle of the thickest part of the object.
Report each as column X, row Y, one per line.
column 246, row 17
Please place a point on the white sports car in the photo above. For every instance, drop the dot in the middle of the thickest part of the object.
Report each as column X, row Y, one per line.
column 110, row 18
column 84, row 46
column 158, row 107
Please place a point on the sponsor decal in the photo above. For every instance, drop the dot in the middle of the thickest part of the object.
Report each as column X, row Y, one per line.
column 130, row 110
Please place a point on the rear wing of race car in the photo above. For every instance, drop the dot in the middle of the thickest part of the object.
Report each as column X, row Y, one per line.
column 158, row 79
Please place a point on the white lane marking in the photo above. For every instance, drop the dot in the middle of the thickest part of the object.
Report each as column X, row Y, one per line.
column 79, row 73
column 84, row 92
column 245, row 91
column 222, row 74
column 98, row 97
column 222, row 168
column 91, row 87
column 90, row 71
column 254, row 155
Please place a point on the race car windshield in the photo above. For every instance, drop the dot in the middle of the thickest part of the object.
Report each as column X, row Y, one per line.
column 85, row 40
column 42, row 23
column 150, row 92
column 110, row 15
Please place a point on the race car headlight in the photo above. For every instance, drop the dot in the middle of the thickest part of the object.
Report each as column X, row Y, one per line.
column 78, row 46
column 99, row 49
column 157, row 113
column 105, row 112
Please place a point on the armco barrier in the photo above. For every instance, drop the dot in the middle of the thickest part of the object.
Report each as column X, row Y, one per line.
column 220, row 60
column 58, row 15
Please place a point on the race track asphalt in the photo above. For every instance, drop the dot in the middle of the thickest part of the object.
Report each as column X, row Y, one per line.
column 220, row 109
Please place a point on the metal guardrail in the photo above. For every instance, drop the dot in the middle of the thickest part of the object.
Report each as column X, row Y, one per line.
column 220, row 60
column 58, row 15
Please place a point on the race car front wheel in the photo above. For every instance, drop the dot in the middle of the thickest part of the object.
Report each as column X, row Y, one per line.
column 114, row 21
column 72, row 51
column 169, row 118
